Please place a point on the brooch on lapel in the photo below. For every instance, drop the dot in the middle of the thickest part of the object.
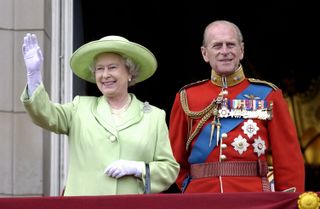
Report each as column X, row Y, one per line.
column 146, row 107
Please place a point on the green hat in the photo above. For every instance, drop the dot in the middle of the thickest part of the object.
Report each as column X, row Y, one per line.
column 83, row 57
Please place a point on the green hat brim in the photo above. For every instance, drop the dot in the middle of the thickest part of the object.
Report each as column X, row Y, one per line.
column 83, row 57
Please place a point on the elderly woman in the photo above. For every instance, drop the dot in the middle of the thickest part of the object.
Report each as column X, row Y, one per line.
column 115, row 140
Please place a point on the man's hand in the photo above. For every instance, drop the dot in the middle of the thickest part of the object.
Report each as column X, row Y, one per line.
column 120, row 168
column 33, row 59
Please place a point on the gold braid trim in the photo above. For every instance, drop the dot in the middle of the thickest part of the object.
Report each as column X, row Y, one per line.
column 199, row 126
column 192, row 114
column 205, row 114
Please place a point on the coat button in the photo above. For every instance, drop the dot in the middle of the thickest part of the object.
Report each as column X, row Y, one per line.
column 223, row 157
column 223, row 146
column 112, row 138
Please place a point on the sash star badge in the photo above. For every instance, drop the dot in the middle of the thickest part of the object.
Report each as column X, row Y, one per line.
column 240, row 144
column 259, row 146
column 250, row 128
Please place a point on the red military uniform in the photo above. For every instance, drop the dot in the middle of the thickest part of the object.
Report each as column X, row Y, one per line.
column 218, row 155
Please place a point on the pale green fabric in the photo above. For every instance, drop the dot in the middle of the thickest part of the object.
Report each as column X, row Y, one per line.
column 94, row 142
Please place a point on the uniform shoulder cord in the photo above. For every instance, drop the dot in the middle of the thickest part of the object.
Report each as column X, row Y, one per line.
column 204, row 114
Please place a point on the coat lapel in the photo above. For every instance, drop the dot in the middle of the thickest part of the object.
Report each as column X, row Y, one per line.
column 133, row 114
column 102, row 112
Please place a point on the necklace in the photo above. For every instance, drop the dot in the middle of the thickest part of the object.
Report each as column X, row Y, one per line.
column 122, row 109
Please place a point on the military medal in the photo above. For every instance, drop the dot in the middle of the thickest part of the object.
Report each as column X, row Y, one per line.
column 246, row 108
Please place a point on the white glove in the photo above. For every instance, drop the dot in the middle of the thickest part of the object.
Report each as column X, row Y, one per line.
column 33, row 59
column 120, row 168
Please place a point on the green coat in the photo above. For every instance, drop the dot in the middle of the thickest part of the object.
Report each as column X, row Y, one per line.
column 94, row 142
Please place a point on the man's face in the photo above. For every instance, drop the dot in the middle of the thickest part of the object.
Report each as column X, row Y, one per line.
column 222, row 49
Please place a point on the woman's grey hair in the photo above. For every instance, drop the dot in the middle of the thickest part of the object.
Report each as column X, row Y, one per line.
column 238, row 31
column 132, row 67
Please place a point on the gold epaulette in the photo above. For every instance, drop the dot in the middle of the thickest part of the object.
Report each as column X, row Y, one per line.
column 193, row 84
column 254, row 80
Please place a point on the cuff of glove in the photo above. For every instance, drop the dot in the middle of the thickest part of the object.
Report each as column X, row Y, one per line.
column 140, row 169
column 33, row 82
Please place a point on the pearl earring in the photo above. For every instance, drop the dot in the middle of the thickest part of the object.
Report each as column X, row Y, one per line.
column 129, row 79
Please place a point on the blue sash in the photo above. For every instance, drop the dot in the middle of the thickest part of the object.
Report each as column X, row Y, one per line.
column 201, row 150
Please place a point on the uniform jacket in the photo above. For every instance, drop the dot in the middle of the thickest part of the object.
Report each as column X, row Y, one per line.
column 278, row 134
column 95, row 142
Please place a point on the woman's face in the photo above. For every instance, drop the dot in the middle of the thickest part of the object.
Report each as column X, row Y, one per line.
column 111, row 75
